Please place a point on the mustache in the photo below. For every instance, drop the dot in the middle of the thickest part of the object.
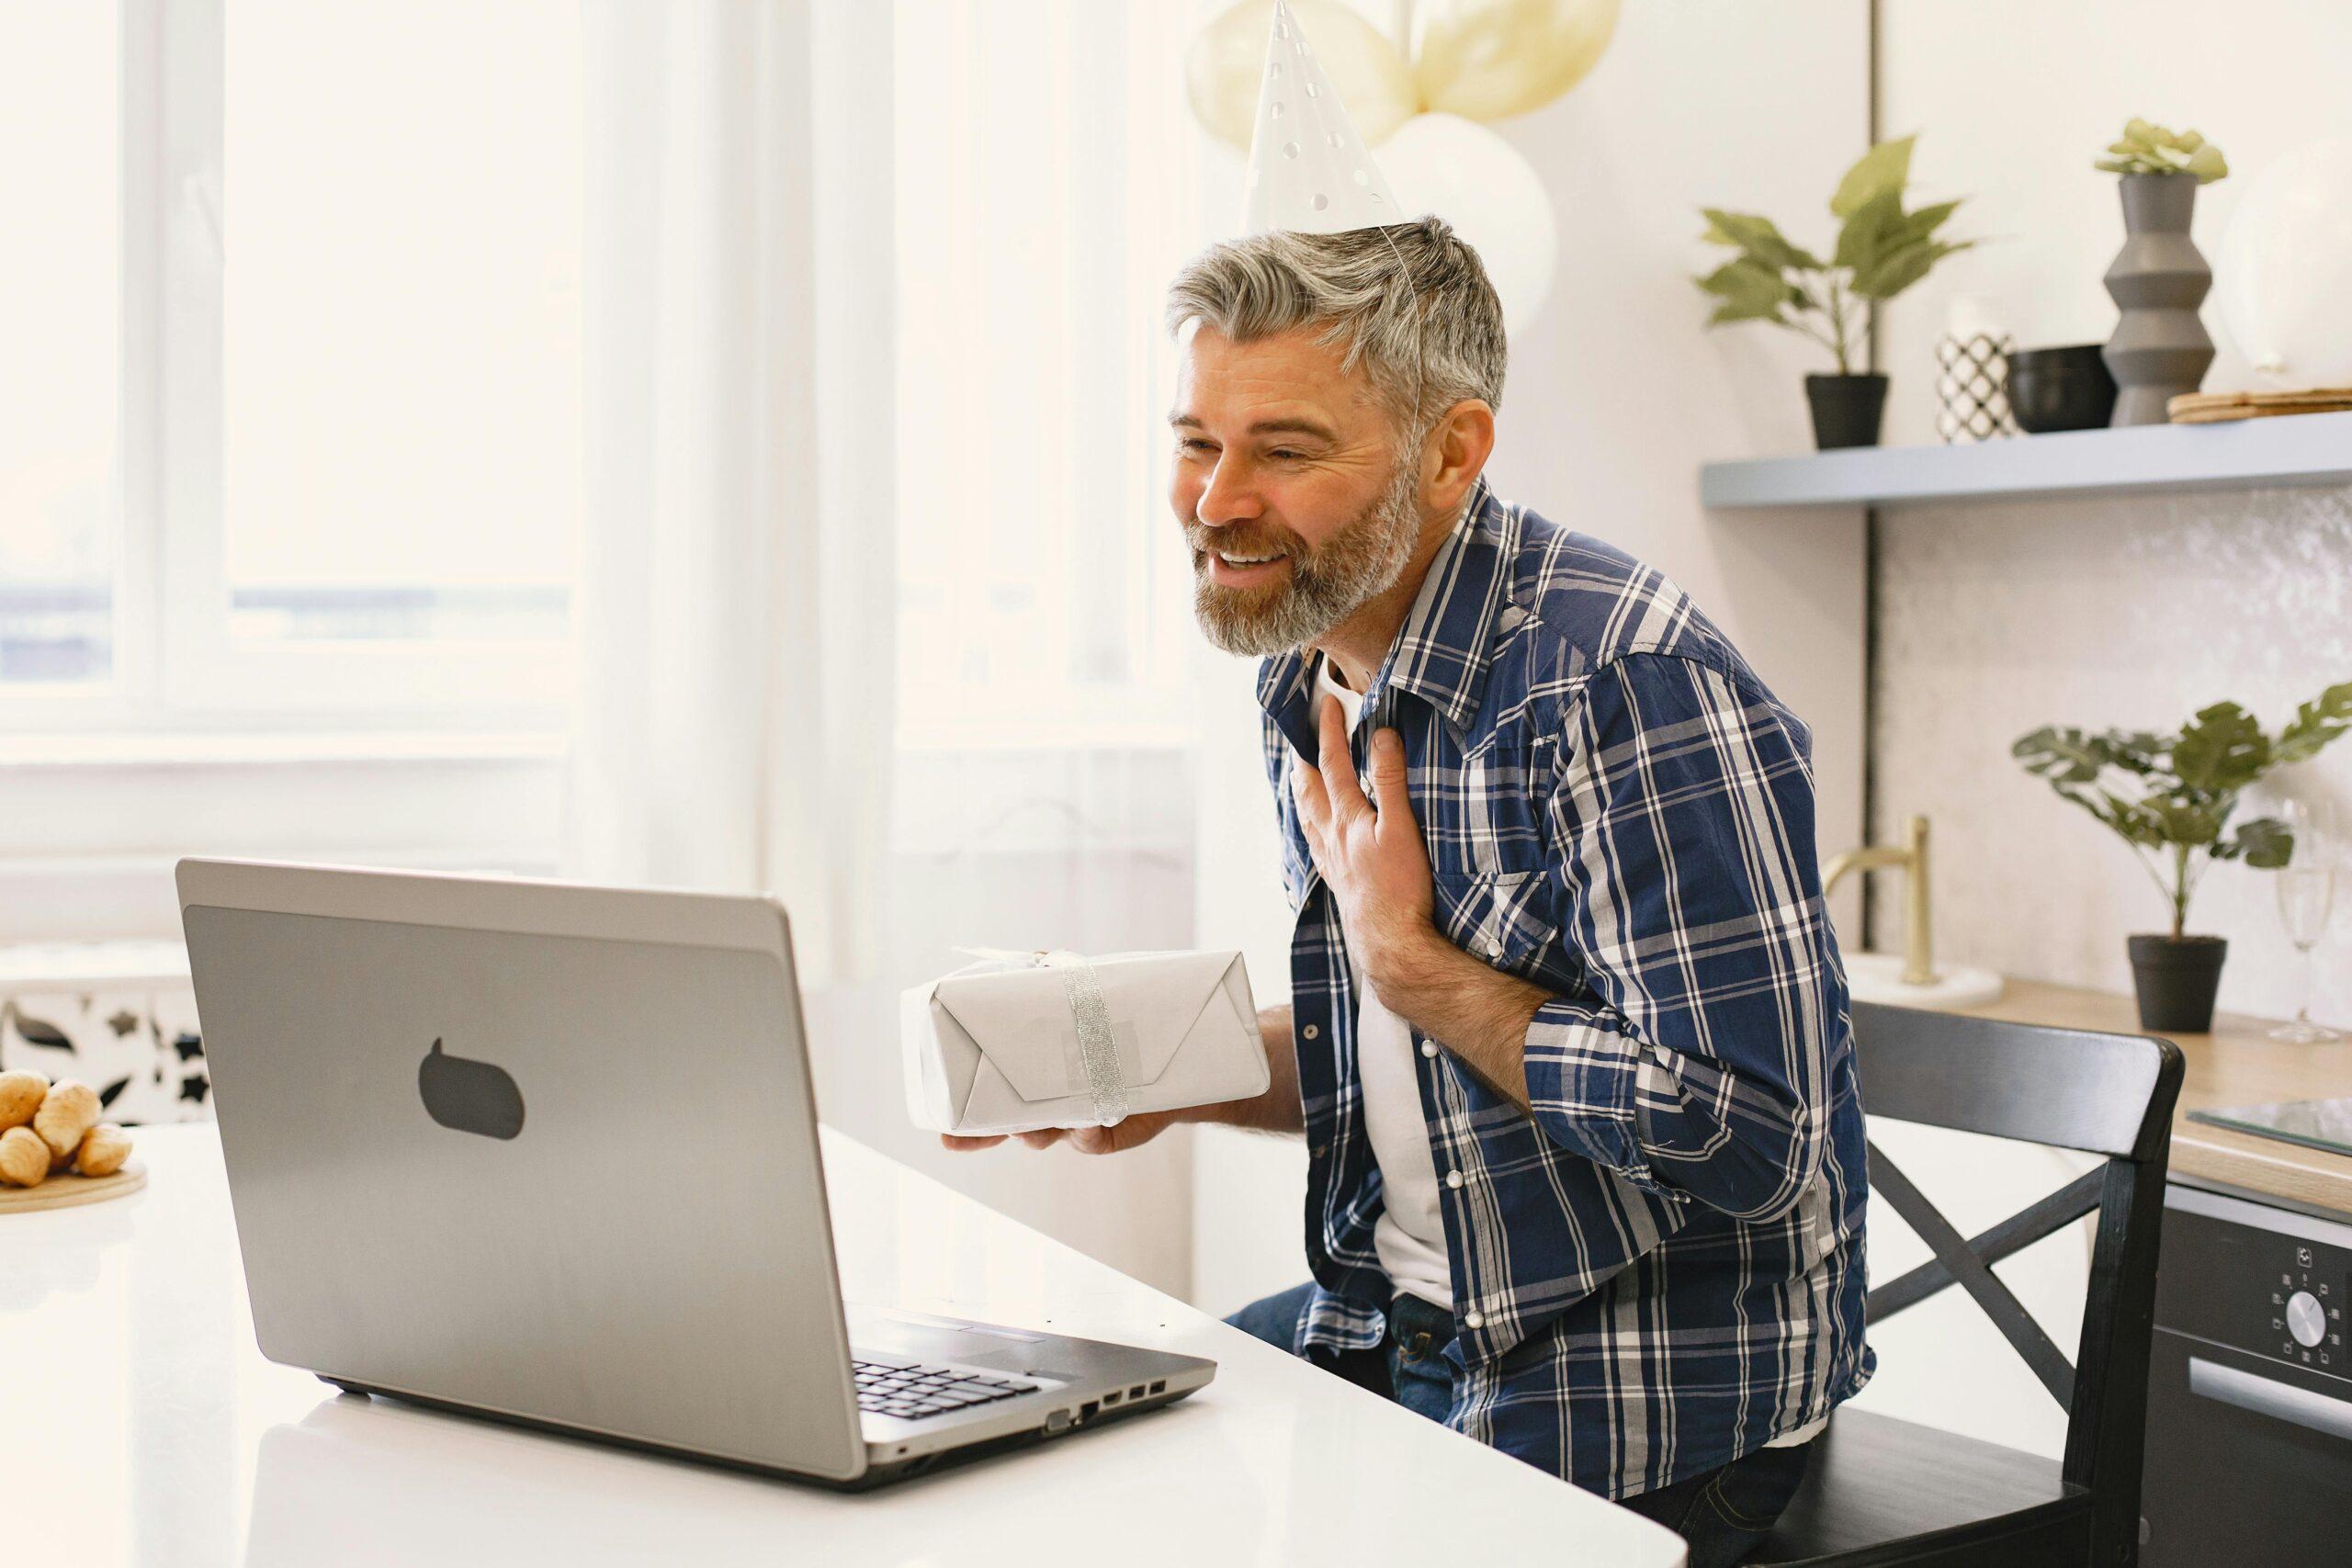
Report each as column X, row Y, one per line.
column 1233, row 541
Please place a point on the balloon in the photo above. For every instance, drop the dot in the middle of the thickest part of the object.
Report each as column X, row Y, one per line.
column 1493, row 59
column 2285, row 269
column 1223, row 68
column 1477, row 182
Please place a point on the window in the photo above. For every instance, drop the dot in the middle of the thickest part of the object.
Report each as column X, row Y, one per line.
column 61, row 319
column 1049, row 180
column 300, row 444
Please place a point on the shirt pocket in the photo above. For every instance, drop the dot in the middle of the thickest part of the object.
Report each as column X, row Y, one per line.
column 1488, row 819
column 1501, row 916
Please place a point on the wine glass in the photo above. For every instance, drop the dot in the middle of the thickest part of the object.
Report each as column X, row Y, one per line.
column 2306, row 886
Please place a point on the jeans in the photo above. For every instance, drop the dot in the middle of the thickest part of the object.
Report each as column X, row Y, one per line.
column 1724, row 1515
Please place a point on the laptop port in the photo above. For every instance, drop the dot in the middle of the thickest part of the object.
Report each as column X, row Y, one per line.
column 1159, row 1387
column 1086, row 1411
column 1110, row 1398
column 1135, row 1393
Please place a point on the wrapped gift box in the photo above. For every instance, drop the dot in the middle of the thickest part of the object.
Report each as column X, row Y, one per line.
column 1016, row 1041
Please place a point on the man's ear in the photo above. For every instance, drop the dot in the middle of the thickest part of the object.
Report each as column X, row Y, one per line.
column 1457, row 454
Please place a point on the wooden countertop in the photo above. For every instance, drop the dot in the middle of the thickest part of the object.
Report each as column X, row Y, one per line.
column 2234, row 1065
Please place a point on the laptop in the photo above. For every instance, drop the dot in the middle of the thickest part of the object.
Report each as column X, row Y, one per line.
column 548, row 1153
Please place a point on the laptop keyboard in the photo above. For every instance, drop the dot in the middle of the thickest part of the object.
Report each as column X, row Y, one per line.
column 913, row 1393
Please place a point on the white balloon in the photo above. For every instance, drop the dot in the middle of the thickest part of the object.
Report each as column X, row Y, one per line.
column 1477, row 182
column 2285, row 271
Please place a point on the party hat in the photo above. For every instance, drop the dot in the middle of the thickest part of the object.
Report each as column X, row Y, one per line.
column 1308, row 169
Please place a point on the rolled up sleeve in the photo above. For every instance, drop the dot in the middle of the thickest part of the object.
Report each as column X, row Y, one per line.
column 1695, row 1061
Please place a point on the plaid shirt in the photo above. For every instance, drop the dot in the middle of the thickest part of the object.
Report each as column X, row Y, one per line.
column 1662, row 1267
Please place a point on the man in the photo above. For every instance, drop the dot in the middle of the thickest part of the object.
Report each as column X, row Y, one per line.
column 1568, row 1038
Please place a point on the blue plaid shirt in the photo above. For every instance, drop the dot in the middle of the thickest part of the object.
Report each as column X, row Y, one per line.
column 1662, row 1267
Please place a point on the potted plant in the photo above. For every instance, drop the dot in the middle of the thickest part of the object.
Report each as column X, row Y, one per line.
column 2170, row 798
column 2160, row 348
column 1881, row 250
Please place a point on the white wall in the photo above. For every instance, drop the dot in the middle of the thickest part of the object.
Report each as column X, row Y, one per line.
column 1617, row 394
column 2015, row 99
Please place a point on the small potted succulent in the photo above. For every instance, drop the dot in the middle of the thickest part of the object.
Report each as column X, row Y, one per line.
column 2159, row 349
column 2170, row 797
column 1881, row 250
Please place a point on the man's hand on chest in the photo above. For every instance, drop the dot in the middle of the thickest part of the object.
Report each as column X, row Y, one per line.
column 1369, row 852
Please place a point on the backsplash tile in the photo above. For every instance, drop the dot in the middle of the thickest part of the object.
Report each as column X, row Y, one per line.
column 2126, row 612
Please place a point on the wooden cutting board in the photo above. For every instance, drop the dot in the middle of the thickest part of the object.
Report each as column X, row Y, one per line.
column 2213, row 408
column 65, row 1189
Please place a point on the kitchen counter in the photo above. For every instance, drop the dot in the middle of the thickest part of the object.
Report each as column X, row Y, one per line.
column 2234, row 1065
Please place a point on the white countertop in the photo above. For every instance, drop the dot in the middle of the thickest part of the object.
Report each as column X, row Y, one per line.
column 141, row 1425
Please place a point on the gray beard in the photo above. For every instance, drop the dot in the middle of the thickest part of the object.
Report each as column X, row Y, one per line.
column 1323, row 588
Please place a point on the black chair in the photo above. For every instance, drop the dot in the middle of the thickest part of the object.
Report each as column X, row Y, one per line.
column 1882, row 1491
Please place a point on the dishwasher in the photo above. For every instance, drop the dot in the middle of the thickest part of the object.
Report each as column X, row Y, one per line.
column 2249, row 1456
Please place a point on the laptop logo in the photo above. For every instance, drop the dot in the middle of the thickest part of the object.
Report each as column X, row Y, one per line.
column 470, row 1095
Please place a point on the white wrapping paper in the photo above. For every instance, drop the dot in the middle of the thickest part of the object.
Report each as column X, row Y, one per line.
column 1017, row 1042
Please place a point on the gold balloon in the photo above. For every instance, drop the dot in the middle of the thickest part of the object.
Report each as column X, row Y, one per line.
column 1223, row 67
column 1493, row 59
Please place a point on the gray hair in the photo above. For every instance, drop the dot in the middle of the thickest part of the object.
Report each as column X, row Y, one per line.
column 1410, row 301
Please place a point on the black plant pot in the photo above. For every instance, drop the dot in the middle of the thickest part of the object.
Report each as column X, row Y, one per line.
column 1846, row 409
column 2061, row 389
column 2175, row 978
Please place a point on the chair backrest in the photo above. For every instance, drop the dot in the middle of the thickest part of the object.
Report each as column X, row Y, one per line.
column 2103, row 1094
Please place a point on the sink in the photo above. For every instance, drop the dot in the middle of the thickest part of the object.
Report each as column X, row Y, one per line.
column 1878, row 977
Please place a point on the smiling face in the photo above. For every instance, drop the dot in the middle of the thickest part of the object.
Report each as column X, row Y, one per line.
column 1289, row 488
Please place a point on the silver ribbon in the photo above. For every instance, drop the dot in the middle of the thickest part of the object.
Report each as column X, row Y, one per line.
column 1098, row 1046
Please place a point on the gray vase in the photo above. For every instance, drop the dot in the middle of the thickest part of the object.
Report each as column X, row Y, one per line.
column 2158, row 279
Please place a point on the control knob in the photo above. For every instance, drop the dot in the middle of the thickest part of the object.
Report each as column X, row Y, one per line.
column 2305, row 1321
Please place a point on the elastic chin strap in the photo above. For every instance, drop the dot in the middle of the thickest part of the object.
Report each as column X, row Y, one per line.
column 1420, row 341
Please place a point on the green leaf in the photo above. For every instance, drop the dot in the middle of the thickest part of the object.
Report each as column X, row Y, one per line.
column 2116, row 166
column 2266, row 842
column 2180, row 823
column 2207, row 165
column 2058, row 755
column 2222, row 750
column 2138, row 750
column 1873, row 229
column 1923, row 222
column 2316, row 724
column 2136, row 820
column 1759, row 236
column 1902, row 267
column 2137, row 129
column 1885, row 167
column 1749, row 290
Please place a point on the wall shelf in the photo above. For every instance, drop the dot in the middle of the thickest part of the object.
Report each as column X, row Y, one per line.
column 2299, row 449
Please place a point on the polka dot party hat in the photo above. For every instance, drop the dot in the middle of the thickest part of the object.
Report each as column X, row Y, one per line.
column 1308, row 169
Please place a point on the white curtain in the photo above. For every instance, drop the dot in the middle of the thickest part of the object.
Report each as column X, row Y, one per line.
column 735, row 709
column 874, row 294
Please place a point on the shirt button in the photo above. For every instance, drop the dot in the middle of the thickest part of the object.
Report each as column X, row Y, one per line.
column 1454, row 1179
column 1474, row 1319
column 1310, row 1032
column 1494, row 948
column 1429, row 1047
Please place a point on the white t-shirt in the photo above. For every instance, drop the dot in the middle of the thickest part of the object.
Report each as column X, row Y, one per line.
column 1409, row 1237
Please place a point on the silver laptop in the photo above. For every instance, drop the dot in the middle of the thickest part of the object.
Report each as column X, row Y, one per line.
column 548, row 1153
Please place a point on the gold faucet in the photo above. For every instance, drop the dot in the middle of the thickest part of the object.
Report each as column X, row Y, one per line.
column 1919, row 968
